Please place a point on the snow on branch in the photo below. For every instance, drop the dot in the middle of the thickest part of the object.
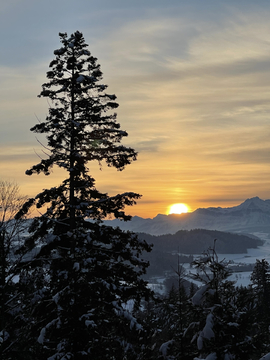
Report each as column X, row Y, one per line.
column 164, row 348
column 266, row 357
column 198, row 297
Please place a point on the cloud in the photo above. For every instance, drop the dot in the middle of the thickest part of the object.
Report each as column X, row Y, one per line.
column 249, row 156
column 150, row 144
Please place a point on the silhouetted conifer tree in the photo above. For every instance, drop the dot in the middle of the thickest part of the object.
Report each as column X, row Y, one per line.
column 260, row 279
column 84, row 274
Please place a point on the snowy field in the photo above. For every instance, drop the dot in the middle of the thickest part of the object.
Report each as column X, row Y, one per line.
column 262, row 252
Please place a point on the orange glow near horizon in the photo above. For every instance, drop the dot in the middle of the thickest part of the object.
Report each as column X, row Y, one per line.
column 202, row 135
column 156, row 191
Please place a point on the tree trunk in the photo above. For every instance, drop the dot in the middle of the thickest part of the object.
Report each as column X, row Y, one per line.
column 72, row 160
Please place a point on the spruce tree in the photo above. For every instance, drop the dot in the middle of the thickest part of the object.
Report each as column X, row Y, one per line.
column 222, row 326
column 260, row 279
column 84, row 274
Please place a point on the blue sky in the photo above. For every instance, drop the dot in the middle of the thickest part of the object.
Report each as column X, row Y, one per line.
column 192, row 80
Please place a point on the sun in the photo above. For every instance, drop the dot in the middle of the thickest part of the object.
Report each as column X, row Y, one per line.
column 178, row 209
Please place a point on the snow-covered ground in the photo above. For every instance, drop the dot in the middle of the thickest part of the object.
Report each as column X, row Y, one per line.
column 262, row 252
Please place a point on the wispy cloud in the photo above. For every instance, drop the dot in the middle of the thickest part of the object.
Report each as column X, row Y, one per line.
column 192, row 82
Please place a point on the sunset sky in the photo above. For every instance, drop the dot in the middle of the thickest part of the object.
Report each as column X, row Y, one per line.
column 192, row 79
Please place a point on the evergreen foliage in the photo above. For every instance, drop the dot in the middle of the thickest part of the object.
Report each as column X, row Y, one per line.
column 83, row 274
column 260, row 279
column 221, row 317
column 215, row 321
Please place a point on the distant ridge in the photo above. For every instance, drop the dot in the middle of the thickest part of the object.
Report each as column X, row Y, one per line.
column 253, row 215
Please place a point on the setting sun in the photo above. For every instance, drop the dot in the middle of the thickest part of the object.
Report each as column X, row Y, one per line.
column 178, row 209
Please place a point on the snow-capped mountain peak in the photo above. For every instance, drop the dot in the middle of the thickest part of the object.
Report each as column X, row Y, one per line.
column 251, row 215
column 255, row 203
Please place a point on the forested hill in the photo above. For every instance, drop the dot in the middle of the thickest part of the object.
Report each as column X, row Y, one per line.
column 199, row 240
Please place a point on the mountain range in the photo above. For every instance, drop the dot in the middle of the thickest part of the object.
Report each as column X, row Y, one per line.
column 253, row 215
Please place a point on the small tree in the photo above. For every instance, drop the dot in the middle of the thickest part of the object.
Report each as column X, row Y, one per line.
column 260, row 279
column 88, row 272
column 223, row 322
column 10, row 238
column 168, row 319
column 177, row 315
